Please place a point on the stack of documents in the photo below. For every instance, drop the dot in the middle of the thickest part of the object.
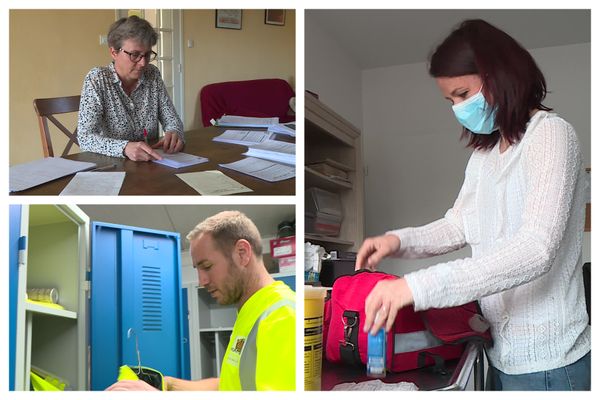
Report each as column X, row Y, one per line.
column 274, row 150
column 179, row 160
column 269, row 160
column 332, row 170
column 244, row 138
column 262, row 169
column 284, row 129
column 28, row 175
column 235, row 120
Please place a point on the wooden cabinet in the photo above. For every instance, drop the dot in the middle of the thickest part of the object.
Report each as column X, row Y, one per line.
column 331, row 138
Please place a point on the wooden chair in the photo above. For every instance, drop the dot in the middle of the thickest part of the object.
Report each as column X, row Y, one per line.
column 45, row 110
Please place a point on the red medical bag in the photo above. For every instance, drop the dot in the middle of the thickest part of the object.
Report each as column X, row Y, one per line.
column 417, row 339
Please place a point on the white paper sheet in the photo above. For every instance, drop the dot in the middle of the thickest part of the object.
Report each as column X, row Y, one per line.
column 213, row 183
column 262, row 169
column 95, row 183
column 376, row 384
column 288, row 128
column 179, row 160
column 274, row 150
column 236, row 120
column 34, row 173
column 245, row 138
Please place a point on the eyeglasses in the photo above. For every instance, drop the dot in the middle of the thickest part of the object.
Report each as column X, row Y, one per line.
column 135, row 56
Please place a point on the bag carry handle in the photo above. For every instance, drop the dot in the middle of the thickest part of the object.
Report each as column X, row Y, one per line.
column 349, row 346
column 439, row 365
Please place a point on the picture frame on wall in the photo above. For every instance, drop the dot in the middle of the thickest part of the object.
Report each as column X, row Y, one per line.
column 275, row 17
column 228, row 19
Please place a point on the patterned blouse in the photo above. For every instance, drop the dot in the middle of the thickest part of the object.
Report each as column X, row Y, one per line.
column 109, row 118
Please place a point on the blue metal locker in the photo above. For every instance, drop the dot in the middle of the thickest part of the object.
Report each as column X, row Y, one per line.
column 135, row 296
column 187, row 372
column 15, row 244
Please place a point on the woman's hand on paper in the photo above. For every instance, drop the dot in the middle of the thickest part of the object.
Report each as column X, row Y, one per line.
column 170, row 143
column 140, row 151
column 375, row 249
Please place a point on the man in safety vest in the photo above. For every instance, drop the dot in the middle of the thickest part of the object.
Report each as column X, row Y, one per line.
column 226, row 251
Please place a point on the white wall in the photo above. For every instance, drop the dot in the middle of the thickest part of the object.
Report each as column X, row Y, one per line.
column 411, row 140
column 331, row 74
column 188, row 274
column 411, row 150
column 567, row 70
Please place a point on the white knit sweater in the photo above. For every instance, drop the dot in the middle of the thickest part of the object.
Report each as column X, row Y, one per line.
column 522, row 213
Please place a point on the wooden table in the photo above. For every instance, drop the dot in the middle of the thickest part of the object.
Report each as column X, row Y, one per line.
column 148, row 178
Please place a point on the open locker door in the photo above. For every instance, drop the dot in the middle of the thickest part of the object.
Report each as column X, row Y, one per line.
column 16, row 244
column 135, row 297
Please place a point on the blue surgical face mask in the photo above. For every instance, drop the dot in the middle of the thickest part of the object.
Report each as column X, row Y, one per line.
column 475, row 114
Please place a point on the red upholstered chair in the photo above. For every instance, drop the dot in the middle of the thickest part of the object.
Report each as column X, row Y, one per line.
column 253, row 98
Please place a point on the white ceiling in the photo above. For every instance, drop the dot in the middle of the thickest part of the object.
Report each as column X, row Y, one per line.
column 378, row 38
column 183, row 218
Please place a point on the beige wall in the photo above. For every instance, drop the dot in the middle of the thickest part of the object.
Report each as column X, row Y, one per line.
column 50, row 53
column 256, row 51
column 52, row 50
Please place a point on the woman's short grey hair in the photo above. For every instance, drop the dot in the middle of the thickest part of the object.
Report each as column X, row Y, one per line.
column 226, row 228
column 134, row 28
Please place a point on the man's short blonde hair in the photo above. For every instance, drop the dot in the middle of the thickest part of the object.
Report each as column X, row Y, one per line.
column 226, row 228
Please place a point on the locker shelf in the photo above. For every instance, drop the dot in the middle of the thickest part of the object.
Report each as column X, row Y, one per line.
column 219, row 329
column 36, row 308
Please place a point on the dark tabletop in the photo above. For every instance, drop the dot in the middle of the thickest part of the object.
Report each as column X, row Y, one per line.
column 148, row 178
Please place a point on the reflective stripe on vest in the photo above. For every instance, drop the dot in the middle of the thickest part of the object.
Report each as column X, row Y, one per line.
column 247, row 367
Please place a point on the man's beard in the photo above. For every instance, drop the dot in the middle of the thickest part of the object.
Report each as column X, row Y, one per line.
column 234, row 286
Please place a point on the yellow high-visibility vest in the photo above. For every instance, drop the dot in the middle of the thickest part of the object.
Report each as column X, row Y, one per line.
column 262, row 350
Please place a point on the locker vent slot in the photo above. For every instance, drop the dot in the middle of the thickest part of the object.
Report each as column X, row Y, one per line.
column 151, row 299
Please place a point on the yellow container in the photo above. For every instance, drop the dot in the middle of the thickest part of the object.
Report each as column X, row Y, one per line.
column 313, row 336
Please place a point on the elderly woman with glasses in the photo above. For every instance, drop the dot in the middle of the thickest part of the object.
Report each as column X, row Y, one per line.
column 122, row 103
